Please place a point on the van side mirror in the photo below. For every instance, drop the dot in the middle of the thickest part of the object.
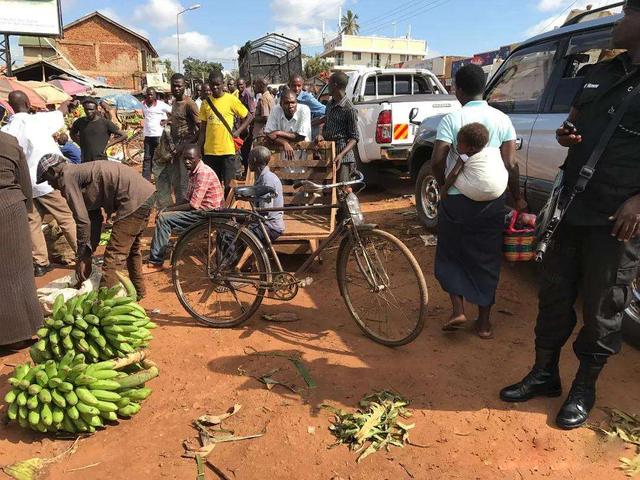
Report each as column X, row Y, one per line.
column 412, row 116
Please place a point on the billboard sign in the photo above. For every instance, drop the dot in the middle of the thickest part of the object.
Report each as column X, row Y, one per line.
column 41, row 18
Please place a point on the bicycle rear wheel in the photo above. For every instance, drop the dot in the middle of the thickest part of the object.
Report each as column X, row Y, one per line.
column 219, row 274
column 383, row 287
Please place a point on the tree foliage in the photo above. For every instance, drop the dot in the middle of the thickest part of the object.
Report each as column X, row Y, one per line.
column 199, row 70
column 349, row 23
column 169, row 66
column 316, row 66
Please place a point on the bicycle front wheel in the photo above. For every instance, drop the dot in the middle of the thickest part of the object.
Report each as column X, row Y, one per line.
column 383, row 287
column 220, row 274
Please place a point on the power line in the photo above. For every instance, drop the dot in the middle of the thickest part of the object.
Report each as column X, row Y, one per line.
column 377, row 18
column 544, row 29
column 388, row 19
column 407, row 15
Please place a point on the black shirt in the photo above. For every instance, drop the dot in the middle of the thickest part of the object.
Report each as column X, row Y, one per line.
column 94, row 136
column 341, row 126
column 617, row 175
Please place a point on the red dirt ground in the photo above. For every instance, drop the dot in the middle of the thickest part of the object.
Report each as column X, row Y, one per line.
column 451, row 380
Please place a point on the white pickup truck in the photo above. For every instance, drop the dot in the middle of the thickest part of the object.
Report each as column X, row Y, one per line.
column 391, row 104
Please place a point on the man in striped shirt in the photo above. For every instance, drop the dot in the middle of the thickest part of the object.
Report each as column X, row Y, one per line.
column 341, row 126
column 204, row 193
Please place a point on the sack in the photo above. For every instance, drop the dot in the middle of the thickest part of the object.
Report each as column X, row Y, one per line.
column 166, row 150
column 518, row 244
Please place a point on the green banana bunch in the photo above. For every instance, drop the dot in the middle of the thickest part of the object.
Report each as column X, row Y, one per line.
column 73, row 396
column 97, row 324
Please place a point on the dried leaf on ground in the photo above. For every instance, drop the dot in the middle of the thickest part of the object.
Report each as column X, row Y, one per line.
column 627, row 428
column 375, row 425
column 217, row 419
column 281, row 317
column 33, row 468
column 631, row 468
column 297, row 362
column 429, row 240
column 270, row 382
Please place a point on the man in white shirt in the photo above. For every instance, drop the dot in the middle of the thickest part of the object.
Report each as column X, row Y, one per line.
column 155, row 115
column 288, row 122
column 35, row 136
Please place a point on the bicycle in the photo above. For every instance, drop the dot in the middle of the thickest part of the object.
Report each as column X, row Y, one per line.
column 133, row 148
column 221, row 272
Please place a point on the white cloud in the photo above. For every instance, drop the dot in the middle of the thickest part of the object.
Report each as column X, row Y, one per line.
column 309, row 13
column 108, row 12
column 308, row 37
column 197, row 45
column 562, row 7
column 160, row 14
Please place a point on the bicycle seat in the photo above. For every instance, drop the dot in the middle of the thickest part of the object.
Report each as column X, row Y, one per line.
column 254, row 192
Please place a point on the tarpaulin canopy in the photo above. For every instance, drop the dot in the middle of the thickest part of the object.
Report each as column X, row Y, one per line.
column 123, row 101
column 8, row 85
column 70, row 87
column 50, row 93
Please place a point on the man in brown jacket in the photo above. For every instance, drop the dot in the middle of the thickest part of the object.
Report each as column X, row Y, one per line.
column 116, row 188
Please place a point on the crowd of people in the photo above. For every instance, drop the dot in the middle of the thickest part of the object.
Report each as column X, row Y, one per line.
column 196, row 147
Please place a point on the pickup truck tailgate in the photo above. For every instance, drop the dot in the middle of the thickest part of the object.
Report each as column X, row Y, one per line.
column 427, row 105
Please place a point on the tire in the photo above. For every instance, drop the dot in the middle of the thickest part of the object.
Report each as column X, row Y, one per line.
column 631, row 318
column 427, row 197
column 194, row 293
column 370, row 172
column 407, row 300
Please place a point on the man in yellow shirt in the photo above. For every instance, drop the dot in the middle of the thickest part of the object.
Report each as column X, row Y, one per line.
column 216, row 136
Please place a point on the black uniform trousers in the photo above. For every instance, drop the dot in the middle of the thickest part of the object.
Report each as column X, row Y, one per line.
column 590, row 260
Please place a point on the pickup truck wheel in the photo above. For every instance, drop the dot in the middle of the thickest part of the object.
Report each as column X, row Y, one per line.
column 631, row 318
column 427, row 197
column 370, row 172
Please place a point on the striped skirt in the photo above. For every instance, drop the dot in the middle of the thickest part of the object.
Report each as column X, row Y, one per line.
column 20, row 315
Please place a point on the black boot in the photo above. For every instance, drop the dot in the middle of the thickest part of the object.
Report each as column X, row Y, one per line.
column 542, row 381
column 582, row 396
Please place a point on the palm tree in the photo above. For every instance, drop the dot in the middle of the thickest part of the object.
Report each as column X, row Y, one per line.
column 349, row 24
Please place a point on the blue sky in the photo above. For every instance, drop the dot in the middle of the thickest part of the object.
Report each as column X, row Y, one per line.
column 218, row 28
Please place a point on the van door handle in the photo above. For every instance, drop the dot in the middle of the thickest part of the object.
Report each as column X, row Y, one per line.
column 519, row 143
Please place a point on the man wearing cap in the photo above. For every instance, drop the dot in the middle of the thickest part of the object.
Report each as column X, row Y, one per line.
column 117, row 189
column 597, row 247
column 35, row 137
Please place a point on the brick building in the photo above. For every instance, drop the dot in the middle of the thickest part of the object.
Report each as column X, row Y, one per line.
column 98, row 47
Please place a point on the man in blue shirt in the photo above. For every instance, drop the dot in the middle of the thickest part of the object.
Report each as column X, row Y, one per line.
column 69, row 150
column 305, row 98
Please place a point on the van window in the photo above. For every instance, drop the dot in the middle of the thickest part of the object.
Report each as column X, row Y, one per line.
column 403, row 84
column 583, row 51
column 421, row 86
column 523, row 79
column 385, row 85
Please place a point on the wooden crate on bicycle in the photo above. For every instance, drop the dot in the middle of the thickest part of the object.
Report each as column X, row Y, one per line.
column 304, row 230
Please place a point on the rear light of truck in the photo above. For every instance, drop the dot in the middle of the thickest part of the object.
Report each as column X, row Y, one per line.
column 384, row 127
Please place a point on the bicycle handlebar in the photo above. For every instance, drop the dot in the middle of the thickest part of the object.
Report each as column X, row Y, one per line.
column 318, row 186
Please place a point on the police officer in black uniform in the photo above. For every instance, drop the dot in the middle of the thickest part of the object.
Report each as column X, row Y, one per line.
column 597, row 248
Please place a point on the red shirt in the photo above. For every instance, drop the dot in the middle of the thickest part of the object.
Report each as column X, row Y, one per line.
column 205, row 191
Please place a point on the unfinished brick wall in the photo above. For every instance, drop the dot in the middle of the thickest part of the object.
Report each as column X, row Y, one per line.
column 100, row 49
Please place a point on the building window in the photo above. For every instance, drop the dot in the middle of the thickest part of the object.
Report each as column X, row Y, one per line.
column 357, row 56
column 144, row 60
column 404, row 58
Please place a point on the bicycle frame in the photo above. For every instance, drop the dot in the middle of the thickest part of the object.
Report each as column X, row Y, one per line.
column 245, row 218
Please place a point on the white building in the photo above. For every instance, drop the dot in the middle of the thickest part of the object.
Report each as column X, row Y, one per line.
column 350, row 52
